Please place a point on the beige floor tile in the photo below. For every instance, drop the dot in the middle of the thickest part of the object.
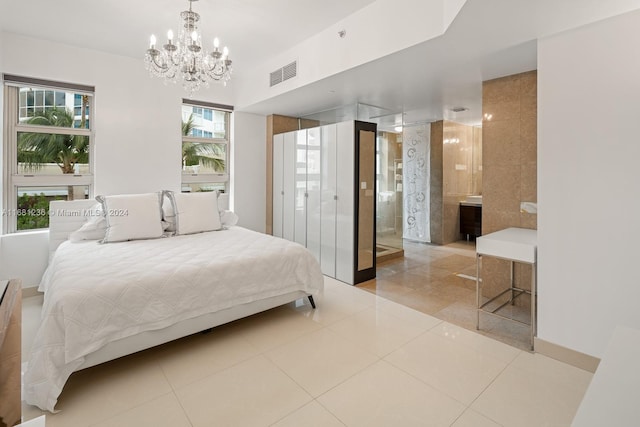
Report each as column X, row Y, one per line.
column 351, row 293
column 486, row 345
column 453, row 292
column 273, row 328
column 321, row 360
column 459, row 313
column 409, row 279
column 454, row 263
column 164, row 411
column 512, row 333
column 422, row 301
column 429, row 271
column 553, row 370
column 527, row 398
column 310, row 415
column 460, row 371
column 331, row 307
column 376, row 331
column 99, row 393
column 189, row 359
column 383, row 287
column 401, row 401
column 253, row 393
column 471, row 418
column 400, row 264
column 408, row 314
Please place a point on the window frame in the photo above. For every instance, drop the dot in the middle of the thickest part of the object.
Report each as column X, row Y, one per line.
column 205, row 178
column 12, row 180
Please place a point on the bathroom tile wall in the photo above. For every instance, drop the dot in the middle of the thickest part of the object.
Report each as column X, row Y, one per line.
column 509, row 165
column 455, row 160
column 436, row 180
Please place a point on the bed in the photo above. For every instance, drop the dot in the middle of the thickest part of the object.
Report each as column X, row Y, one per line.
column 104, row 301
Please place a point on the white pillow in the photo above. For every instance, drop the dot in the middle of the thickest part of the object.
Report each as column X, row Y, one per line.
column 132, row 216
column 228, row 218
column 168, row 213
column 195, row 212
column 95, row 227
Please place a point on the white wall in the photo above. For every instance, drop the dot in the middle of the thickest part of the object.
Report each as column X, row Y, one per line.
column 326, row 54
column 137, row 121
column 588, row 183
column 248, row 188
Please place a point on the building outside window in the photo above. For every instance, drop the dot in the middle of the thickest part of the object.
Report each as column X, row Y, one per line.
column 48, row 151
column 205, row 146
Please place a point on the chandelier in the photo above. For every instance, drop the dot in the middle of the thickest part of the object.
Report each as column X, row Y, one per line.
column 186, row 58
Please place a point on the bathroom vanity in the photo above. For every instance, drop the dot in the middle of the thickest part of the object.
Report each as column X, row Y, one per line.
column 471, row 216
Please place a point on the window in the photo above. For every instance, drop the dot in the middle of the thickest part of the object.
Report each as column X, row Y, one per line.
column 48, row 151
column 205, row 146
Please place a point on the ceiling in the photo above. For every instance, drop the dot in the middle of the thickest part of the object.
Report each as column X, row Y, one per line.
column 250, row 28
column 488, row 39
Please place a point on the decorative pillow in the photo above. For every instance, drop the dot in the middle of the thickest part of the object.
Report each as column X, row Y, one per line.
column 228, row 218
column 195, row 212
column 132, row 216
column 168, row 213
column 95, row 227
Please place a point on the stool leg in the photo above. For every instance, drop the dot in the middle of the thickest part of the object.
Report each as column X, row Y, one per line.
column 534, row 290
column 478, row 292
column 512, row 299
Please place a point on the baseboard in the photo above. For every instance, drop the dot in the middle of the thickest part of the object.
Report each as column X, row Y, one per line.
column 30, row 292
column 566, row 355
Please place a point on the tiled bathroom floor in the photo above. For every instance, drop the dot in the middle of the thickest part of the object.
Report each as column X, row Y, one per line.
column 440, row 281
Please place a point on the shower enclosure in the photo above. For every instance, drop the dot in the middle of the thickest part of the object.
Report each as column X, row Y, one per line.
column 390, row 186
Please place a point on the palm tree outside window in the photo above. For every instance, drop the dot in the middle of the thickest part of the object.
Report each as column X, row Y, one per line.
column 50, row 149
column 205, row 145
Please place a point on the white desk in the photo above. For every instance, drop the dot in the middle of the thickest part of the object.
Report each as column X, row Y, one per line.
column 515, row 245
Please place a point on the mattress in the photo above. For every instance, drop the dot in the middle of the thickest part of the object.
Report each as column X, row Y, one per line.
column 99, row 293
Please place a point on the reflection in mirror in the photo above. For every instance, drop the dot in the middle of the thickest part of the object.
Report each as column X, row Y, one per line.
column 366, row 201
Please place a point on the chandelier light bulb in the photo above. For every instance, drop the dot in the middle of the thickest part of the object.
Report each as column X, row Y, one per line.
column 152, row 42
column 194, row 36
column 170, row 35
column 216, row 43
column 225, row 52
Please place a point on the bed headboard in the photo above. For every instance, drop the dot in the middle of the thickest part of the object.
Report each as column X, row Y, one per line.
column 65, row 217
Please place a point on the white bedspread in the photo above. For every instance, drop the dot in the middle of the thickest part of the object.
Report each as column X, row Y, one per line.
column 95, row 294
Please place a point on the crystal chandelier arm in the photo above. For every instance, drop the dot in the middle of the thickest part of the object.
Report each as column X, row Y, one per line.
column 153, row 55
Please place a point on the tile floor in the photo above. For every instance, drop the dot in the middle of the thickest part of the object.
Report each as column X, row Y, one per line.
column 440, row 281
column 357, row 360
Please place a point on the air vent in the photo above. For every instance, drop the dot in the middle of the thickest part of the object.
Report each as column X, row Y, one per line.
column 459, row 109
column 287, row 72
column 290, row 71
column 276, row 77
